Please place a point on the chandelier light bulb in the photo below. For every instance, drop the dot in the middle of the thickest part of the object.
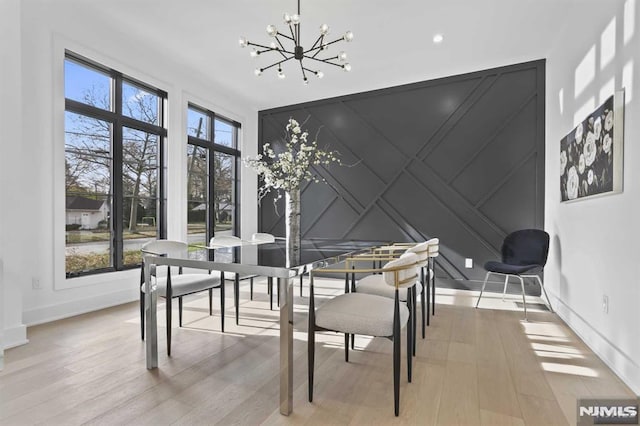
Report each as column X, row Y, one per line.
column 273, row 45
column 306, row 81
column 342, row 56
column 243, row 42
column 272, row 30
column 438, row 38
column 287, row 18
column 324, row 29
column 258, row 72
column 254, row 53
column 320, row 74
column 295, row 19
column 281, row 75
column 346, row 67
column 348, row 36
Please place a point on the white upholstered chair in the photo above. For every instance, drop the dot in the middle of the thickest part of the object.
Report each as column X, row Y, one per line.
column 368, row 314
column 177, row 285
column 375, row 284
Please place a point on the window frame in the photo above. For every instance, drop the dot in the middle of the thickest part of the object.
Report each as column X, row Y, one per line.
column 212, row 147
column 118, row 122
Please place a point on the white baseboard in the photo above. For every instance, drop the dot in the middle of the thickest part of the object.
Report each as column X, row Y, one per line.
column 622, row 364
column 14, row 336
column 72, row 308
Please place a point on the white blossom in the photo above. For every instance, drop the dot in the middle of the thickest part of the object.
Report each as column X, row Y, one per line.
column 286, row 170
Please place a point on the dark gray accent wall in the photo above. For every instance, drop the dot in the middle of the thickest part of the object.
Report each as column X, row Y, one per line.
column 460, row 158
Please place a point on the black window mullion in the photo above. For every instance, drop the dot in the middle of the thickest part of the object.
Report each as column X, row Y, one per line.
column 162, row 175
column 116, row 174
column 142, row 126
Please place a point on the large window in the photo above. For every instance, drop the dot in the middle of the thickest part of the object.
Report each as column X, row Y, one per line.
column 114, row 140
column 212, row 180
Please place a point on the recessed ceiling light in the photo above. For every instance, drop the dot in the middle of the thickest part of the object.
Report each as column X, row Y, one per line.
column 438, row 38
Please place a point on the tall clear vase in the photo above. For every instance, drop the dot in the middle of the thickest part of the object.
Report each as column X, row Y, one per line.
column 292, row 200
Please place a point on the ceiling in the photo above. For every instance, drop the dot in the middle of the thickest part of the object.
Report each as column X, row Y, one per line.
column 393, row 39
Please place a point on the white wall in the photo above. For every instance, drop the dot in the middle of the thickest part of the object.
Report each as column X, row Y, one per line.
column 36, row 156
column 13, row 245
column 595, row 247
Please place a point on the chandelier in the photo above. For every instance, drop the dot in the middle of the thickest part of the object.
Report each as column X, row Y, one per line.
column 289, row 46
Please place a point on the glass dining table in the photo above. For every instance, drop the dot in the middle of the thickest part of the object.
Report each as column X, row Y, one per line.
column 266, row 260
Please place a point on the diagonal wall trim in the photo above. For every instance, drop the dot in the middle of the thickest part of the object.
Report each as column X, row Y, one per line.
column 505, row 179
column 460, row 158
column 492, row 137
column 343, row 144
column 474, row 96
column 416, row 235
column 454, row 215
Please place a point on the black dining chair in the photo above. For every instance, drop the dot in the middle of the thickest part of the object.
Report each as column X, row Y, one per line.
column 523, row 251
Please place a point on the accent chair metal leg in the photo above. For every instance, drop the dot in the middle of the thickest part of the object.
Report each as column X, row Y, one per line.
column 210, row 301
column 428, row 288
column 484, row 284
column 179, row 311
column 506, row 281
column 251, row 288
column 311, row 339
column 524, row 301
column 270, row 290
column 545, row 292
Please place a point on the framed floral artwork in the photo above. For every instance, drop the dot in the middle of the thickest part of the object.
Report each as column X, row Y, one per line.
column 591, row 154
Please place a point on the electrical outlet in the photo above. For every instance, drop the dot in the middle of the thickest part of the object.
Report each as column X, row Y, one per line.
column 35, row 284
column 468, row 263
column 605, row 304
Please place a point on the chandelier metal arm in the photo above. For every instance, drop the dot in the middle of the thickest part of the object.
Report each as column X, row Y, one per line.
column 293, row 35
column 326, row 61
column 324, row 45
column 270, row 49
column 282, row 46
column 304, row 75
column 277, row 63
column 319, row 40
column 284, row 35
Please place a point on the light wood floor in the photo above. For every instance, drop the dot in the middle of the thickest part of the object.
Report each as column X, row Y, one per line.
column 477, row 366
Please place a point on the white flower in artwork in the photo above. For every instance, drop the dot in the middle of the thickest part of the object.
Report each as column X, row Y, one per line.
column 606, row 143
column 581, row 164
column 578, row 133
column 572, row 183
column 608, row 121
column 597, row 127
column 590, row 177
column 590, row 149
column 563, row 162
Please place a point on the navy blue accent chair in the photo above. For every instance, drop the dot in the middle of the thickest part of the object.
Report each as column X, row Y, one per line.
column 522, row 251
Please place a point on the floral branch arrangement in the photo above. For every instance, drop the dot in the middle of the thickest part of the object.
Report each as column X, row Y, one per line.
column 285, row 171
